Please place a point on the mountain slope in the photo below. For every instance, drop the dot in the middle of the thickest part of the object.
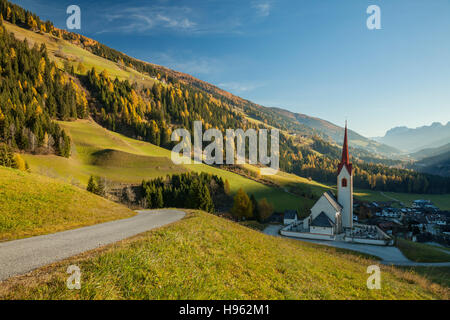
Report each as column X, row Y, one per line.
column 206, row 257
column 69, row 53
column 150, row 112
column 412, row 140
column 439, row 164
column 336, row 133
column 122, row 160
column 430, row 152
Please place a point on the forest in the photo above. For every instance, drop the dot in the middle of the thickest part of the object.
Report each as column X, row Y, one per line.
column 33, row 93
column 188, row 190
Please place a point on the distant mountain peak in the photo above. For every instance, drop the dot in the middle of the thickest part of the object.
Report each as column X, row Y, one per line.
column 414, row 139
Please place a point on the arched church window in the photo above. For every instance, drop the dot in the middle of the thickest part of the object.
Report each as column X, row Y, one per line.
column 344, row 182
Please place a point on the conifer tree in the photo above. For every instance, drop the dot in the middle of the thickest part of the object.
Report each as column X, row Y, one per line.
column 159, row 201
column 255, row 207
column 92, row 186
column 206, row 202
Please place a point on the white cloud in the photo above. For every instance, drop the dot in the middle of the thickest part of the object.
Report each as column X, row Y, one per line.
column 188, row 63
column 238, row 87
column 262, row 8
column 142, row 19
column 229, row 18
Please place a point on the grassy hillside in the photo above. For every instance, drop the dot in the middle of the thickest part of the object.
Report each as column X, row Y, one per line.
column 31, row 205
column 421, row 252
column 439, row 275
column 124, row 160
column 206, row 257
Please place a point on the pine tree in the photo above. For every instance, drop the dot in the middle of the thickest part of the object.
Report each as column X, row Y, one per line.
column 148, row 197
column 6, row 157
column 91, row 186
column 159, row 200
column 205, row 201
column 255, row 207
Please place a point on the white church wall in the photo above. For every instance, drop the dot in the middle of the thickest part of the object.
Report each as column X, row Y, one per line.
column 345, row 197
column 306, row 223
column 367, row 241
column 321, row 230
column 323, row 205
column 305, row 235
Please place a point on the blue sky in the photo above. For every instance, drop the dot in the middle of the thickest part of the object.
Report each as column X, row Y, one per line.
column 311, row 57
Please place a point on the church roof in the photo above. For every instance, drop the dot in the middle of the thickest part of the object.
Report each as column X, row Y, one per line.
column 332, row 200
column 345, row 160
column 323, row 221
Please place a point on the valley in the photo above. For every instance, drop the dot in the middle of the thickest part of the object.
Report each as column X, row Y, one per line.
column 86, row 134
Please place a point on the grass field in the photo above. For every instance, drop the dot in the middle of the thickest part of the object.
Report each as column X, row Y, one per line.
column 121, row 159
column 31, row 205
column 206, row 257
column 421, row 252
column 442, row 201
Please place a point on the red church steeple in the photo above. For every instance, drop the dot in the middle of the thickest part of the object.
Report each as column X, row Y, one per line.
column 345, row 161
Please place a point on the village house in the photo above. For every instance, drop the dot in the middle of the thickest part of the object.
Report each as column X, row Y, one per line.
column 290, row 216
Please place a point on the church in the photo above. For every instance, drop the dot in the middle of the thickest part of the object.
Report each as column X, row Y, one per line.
column 331, row 216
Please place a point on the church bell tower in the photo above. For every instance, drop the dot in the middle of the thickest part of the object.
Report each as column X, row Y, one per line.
column 345, row 185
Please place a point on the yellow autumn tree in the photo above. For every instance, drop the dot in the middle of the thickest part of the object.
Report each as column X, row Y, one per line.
column 32, row 24
column 42, row 65
column 20, row 163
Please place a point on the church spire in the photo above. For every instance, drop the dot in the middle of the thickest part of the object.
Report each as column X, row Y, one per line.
column 345, row 157
column 345, row 161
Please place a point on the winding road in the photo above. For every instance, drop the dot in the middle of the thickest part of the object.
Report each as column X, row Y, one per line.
column 388, row 255
column 21, row 256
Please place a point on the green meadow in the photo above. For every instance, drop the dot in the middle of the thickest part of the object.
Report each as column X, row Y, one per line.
column 120, row 159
